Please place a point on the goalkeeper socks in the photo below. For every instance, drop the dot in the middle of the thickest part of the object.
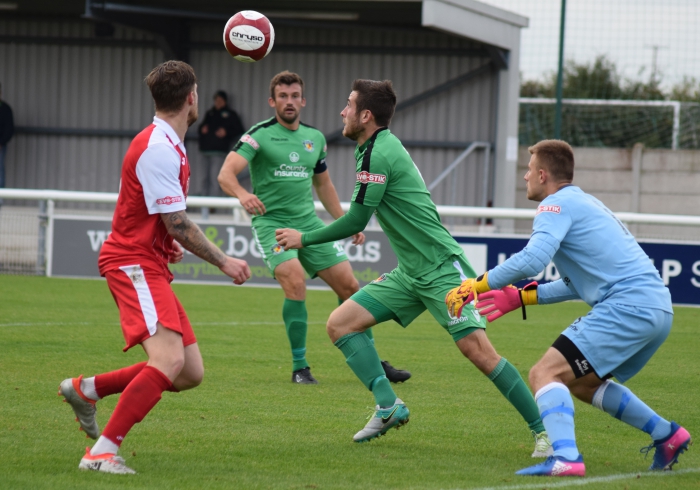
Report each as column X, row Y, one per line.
column 295, row 321
column 138, row 399
column 509, row 382
column 113, row 382
column 617, row 400
column 557, row 412
column 362, row 358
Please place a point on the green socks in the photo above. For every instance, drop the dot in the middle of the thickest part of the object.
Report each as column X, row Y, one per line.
column 295, row 316
column 509, row 382
column 363, row 359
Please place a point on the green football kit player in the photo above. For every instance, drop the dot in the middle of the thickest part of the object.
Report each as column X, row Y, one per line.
column 430, row 263
column 285, row 158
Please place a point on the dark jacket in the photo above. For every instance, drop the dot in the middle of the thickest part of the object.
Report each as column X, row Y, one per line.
column 214, row 119
column 7, row 125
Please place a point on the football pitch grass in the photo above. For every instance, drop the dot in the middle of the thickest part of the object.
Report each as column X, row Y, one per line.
column 248, row 426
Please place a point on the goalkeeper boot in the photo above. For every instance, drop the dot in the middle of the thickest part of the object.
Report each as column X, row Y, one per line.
column 543, row 447
column 105, row 463
column 83, row 407
column 556, row 466
column 303, row 377
column 395, row 375
column 382, row 420
column 668, row 449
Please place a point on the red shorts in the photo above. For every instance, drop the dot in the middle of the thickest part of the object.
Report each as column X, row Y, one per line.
column 144, row 298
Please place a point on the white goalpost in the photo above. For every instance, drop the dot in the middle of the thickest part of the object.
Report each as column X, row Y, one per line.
column 672, row 104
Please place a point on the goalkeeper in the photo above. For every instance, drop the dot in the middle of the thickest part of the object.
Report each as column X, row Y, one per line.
column 430, row 263
column 601, row 263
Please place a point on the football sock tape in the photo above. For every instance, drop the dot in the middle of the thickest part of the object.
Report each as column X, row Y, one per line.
column 557, row 412
column 621, row 403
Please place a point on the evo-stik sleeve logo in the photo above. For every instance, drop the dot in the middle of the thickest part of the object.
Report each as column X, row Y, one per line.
column 365, row 177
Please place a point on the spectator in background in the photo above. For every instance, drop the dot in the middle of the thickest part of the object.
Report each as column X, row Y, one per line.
column 217, row 133
column 7, row 129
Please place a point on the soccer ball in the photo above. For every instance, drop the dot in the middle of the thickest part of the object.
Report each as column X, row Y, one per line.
column 249, row 36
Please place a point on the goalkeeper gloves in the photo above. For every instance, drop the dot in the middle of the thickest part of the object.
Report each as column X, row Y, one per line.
column 465, row 293
column 495, row 304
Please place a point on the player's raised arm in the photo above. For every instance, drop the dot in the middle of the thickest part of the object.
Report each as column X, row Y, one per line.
column 228, row 180
column 351, row 223
column 188, row 234
column 329, row 197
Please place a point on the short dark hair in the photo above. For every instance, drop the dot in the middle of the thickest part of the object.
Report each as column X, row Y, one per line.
column 170, row 83
column 557, row 156
column 222, row 94
column 285, row 78
column 377, row 97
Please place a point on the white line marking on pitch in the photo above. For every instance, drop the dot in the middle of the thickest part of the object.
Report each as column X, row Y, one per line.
column 586, row 481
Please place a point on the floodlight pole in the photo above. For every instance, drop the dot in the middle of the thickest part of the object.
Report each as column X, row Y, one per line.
column 560, row 73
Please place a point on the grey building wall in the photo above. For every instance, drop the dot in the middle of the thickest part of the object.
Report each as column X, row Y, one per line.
column 464, row 113
column 86, row 82
column 70, row 86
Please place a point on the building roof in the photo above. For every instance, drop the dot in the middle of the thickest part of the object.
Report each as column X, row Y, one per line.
column 406, row 13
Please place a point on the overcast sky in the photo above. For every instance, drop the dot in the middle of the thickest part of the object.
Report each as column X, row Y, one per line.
column 624, row 30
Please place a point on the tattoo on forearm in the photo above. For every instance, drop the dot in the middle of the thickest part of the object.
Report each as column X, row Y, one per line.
column 188, row 234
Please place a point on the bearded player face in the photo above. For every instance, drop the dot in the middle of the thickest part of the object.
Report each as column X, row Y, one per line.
column 288, row 102
column 353, row 127
column 193, row 113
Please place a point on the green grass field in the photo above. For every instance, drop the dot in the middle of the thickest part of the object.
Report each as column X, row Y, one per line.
column 248, row 426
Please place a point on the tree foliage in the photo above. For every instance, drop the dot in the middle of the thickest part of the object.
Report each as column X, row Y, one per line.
column 687, row 90
column 610, row 126
column 601, row 80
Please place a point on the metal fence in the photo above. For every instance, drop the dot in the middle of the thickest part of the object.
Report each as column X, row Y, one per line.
column 25, row 234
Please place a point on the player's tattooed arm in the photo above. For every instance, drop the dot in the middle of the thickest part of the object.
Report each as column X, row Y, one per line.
column 190, row 236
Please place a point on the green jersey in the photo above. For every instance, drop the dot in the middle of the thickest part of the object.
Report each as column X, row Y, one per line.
column 282, row 163
column 388, row 180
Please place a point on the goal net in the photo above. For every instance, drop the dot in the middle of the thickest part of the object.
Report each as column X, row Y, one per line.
column 613, row 123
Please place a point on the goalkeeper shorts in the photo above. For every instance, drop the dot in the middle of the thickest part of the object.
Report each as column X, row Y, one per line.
column 619, row 339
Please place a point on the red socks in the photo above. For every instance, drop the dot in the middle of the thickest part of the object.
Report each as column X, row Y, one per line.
column 138, row 398
column 116, row 381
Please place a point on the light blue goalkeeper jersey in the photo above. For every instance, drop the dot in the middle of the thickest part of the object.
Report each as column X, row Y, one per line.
column 597, row 257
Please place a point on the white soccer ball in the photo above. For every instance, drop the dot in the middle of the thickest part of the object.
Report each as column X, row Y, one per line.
column 249, row 36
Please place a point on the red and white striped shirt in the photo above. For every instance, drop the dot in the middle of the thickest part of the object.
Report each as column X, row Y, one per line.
column 155, row 179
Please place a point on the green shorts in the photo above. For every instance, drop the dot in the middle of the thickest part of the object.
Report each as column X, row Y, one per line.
column 313, row 258
column 400, row 297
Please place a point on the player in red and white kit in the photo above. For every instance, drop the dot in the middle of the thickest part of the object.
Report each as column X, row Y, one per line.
column 149, row 217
